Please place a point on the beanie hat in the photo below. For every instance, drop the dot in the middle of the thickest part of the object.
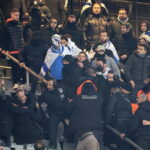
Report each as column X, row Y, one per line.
column 100, row 47
column 145, row 37
column 56, row 37
column 68, row 58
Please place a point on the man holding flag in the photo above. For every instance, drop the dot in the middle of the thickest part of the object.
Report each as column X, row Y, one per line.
column 53, row 60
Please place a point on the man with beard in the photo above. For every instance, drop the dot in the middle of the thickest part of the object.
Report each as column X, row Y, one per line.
column 127, row 44
column 104, row 39
column 100, row 52
column 121, row 19
column 70, row 27
column 138, row 68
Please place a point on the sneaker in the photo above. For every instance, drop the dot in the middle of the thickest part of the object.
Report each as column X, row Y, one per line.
column 52, row 146
column 62, row 139
column 16, row 86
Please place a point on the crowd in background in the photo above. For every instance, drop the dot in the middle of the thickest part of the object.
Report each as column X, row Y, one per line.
column 97, row 72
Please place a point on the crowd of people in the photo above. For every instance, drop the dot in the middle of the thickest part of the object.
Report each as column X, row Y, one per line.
column 97, row 74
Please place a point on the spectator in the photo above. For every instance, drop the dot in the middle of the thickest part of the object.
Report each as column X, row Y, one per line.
column 38, row 21
column 110, row 63
column 127, row 45
column 144, row 39
column 6, row 118
column 144, row 27
column 26, row 117
column 45, row 12
column 87, row 9
column 54, row 98
column 92, row 26
column 57, row 10
column 116, row 25
column 49, row 31
column 33, row 55
column 2, row 25
column 27, row 33
column 138, row 68
column 70, row 27
column 53, row 63
column 104, row 39
column 72, row 47
column 67, row 74
column 78, row 69
column 14, row 38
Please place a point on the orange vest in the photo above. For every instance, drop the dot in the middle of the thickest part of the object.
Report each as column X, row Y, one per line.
column 134, row 108
column 79, row 89
column 141, row 92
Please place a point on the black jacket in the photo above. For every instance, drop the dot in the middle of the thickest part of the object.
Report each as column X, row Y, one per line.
column 143, row 113
column 6, row 117
column 57, row 9
column 14, row 35
column 85, row 114
column 47, row 34
column 55, row 101
column 127, row 44
column 77, row 73
column 26, row 129
column 119, row 111
column 75, row 32
column 34, row 53
column 138, row 68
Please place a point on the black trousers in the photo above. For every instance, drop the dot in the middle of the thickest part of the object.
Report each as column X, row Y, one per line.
column 34, row 79
column 144, row 142
column 53, row 126
column 6, row 140
column 16, row 72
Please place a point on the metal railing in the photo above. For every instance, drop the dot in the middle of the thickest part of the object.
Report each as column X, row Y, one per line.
column 137, row 10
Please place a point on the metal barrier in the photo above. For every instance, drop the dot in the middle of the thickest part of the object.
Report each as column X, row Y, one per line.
column 4, row 72
column 9, row 77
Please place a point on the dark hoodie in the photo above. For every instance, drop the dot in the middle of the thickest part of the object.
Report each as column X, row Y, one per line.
column 127, row 44
column 34, row 53
column 76, row 34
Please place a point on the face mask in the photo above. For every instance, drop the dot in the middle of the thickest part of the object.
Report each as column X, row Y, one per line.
column 55, row 42
column 141, row 55
column 71, row 25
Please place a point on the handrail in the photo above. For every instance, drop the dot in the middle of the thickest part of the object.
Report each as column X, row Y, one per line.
column 5, row 67
column 24, row 66
column 126, row 139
